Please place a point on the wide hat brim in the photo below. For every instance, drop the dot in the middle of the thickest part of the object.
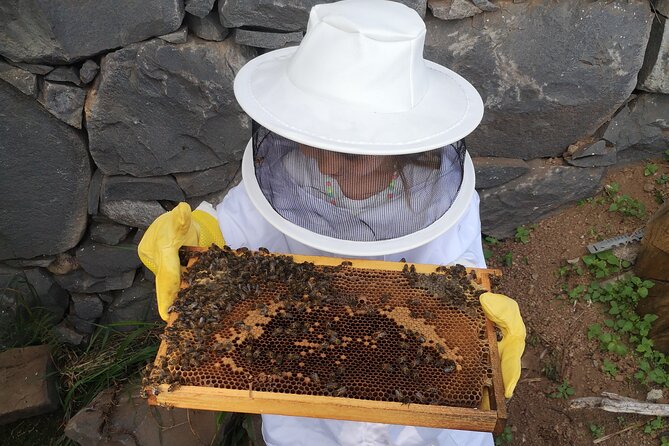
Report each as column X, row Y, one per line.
column 450, row 110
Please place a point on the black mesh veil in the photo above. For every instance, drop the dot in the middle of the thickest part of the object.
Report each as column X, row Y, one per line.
column 356, row 197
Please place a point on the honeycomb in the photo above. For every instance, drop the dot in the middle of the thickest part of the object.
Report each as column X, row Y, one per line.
column 262, row 322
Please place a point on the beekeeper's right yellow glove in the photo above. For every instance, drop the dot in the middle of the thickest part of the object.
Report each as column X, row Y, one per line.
column 159, row 248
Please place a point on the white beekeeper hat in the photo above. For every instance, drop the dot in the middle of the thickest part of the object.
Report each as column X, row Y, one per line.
column 358, row 83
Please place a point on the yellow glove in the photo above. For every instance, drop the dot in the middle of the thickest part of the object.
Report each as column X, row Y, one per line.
column 159, row 248
column 504, row 312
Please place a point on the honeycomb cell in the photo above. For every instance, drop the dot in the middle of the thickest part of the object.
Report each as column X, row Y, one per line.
column 255, row 320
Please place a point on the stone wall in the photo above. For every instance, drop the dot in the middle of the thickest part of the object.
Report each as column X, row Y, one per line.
column 114, row 111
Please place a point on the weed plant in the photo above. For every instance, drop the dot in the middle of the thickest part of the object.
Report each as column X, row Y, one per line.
column 563, row 391
column 624, row 204
column 623, row 331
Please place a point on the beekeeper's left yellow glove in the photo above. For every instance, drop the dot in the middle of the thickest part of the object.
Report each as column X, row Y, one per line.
column 159, row 248
column 504, row 312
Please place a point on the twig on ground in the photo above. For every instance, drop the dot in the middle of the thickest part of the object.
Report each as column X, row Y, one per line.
column 611, row 402
column 628, row 428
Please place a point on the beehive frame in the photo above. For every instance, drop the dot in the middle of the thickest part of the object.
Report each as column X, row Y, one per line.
column 490, row 416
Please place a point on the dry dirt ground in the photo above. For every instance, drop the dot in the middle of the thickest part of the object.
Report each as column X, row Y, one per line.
column 558, row 347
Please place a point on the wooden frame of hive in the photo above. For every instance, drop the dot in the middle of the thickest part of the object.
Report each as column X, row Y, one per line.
column 490, row 417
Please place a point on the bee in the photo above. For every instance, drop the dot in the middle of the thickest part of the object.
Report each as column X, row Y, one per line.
column 315, row 378
column 420, row 397
column 263, row 250
column 449, row 367
column 346, row 263
column 387, row 367
column 385, row 297
column 174, row 386
column 341, row 391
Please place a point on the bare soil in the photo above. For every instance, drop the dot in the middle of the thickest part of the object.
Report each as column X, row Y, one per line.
column 558, row 347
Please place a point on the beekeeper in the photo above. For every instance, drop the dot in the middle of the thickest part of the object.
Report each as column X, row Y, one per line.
column 357, row 151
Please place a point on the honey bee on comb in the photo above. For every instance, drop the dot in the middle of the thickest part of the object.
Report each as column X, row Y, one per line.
column 342, row 331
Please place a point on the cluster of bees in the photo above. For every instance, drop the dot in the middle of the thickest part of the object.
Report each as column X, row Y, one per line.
column 275, row 325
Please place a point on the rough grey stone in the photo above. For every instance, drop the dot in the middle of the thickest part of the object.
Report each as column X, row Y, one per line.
column 65, row 74
column 195, row 184
column 94, row 192
column 87, row 306
column 178, row 36
column 172, row 104
column 15, row 293
column 138, row 214
column 208, row 27
column 268, row 40
column 199, row 8
column 126, row 187
column 535, row 195
column 526, row 101
column 41, row 261
column 88, row 71
column 662, row 6
column 28, row 383
column 51, row 296
column 45, row 174
column 65, row 102
column 24, row 80
column 485, row 5
column 493, row 172
column 79, row 281
column 81, row 325
column 108, row 233
column 64, row 333
column 71, row 30
column 121, row 417
column 452, row 9
column 598, row 154
column 102, row 260
column 654, row 395
column 640, row 129
column 137, row 303
column 34, row 68
column 654, row 75
column 281, row 15
column 215, row 198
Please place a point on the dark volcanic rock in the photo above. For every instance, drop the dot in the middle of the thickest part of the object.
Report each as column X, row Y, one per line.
column 102, row 260
column 64, row 74
column 126, row 187
column 493, row 172
column 24, row 80
column 65, row 102
column 196, row 184
column 51, row 296
column 172, row 104
column 87, row 306
column 654, row 75
column 137, row 303
column 79, row 281
column 88, row 71
column 267, row 40
column 545, row 79
column 94, row 192
column 178, row 36
column 135, row 213
column 208, row 27
column 199, row 8
column 69, row 30
column 534, row 195
column 281, row 15
column 598, row 154
column 641, row 128
column 109, row 233
column 452, row 9
column 46, row 216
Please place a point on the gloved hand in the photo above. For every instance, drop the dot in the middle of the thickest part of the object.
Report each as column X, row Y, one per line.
column 159, row 248
column 504, row 312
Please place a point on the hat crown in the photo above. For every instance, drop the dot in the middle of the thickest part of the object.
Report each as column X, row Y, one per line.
column 365, row 53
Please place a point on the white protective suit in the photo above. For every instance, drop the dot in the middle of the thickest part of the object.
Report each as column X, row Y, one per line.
column 242, row 225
